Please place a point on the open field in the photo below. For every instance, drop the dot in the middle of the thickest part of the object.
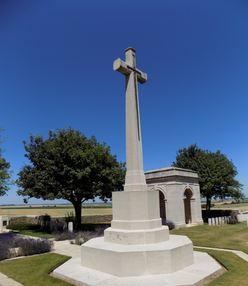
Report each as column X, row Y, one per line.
column 58, row 211
column 87, row 210
column 227, row 206
column 230, row 236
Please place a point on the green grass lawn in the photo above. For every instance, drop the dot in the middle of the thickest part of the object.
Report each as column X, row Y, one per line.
column 237, row 274
column 228, row 236
column 34, row 270
column 36, row 233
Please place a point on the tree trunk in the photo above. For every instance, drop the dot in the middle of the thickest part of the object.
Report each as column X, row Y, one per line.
column 208, row 204
column 78, row 214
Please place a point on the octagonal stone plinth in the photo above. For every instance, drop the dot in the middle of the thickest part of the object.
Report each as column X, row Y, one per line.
column 203, row 269
column 134, row 260
column 140, row 236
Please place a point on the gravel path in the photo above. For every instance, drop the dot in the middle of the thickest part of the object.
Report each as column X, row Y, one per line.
column 6, row 281
column 66, row 248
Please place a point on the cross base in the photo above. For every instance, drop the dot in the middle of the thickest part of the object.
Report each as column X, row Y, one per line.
column 143, row 236
column 204, row 268
column 135, row 260
column 136, row 210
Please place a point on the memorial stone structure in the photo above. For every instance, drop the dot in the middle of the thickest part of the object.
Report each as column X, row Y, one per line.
column 179, row 195
column 137, row 249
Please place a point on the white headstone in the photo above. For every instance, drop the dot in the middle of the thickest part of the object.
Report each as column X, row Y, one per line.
column 223, row 220
column 70, row 226
column 1, row 224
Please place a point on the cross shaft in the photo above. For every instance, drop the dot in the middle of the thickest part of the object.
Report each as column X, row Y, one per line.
column 135, row 178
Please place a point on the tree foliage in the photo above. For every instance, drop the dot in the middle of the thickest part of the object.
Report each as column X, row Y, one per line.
column 68, row 165
column 216, row 172
column 4, row 174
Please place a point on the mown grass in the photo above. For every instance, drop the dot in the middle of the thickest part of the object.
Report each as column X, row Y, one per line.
column 36, row 233
column 237, row 274
column 228, row 236
column 34, row 270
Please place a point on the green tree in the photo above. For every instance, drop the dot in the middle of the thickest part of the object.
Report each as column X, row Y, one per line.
column 4, row 174
column 68, row 165
column 216, row 172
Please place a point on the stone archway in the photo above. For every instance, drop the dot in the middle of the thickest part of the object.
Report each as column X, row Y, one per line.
column 162, row 206
column 188, row 194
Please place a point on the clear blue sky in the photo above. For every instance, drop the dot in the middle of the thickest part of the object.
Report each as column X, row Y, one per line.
column 56, row 71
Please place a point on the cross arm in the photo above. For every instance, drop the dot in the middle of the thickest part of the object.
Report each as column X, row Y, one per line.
column 125, row 69
column 121, row 67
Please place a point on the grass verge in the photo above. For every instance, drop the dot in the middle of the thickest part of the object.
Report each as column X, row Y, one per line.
column 237, row 274
column 34, row 270
column 35, row 233
column 230, row 236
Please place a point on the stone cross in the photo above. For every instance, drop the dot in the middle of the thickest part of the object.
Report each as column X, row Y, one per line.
column 135, row 178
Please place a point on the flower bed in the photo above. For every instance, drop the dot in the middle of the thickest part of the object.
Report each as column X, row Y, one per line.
column 12, row 245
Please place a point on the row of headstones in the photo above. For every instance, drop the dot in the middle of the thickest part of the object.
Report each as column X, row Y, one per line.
column 219, row 220
column 4, row 221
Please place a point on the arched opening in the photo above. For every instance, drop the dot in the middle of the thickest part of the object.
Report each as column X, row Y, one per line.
column 162, row 206
column 187, row 205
